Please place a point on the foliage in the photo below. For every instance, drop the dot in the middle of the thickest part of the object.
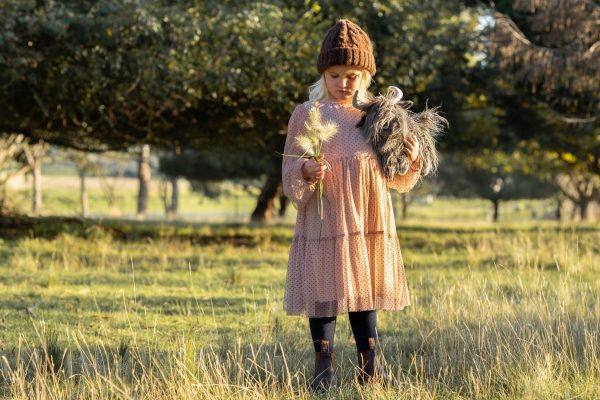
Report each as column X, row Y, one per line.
column 103, row 74
column 551, row 48
column 89, row 75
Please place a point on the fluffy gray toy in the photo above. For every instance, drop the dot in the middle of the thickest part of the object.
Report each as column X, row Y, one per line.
column 388, row 121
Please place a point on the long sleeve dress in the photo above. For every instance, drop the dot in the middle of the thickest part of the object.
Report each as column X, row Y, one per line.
column 356, row 264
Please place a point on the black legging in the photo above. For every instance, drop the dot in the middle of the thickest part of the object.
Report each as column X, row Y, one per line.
column 363, row 323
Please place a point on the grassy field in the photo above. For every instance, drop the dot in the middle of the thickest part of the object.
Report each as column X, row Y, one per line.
column 61, row 197
column 186, row 311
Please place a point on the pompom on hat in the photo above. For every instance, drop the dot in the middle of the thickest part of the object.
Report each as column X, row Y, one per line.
column 346, row 43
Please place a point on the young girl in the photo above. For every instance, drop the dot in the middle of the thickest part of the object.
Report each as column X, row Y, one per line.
column 354, row 265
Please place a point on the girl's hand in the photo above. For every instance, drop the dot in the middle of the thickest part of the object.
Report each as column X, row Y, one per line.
column 312, row 170
column 411, row 148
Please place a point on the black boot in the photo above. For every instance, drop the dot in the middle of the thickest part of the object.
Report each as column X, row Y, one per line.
column 368, row 364
column 324, row 377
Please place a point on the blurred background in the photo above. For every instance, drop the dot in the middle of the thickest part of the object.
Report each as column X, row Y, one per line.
column 161, row 109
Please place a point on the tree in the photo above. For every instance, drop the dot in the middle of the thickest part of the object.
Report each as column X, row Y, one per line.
column 102, row 75
column 172, row 207
column 550, row 49
column 494, row 176
column 268, row 63
column 92, row 74
column 85, row 164
column 98, row 74
column 34, row 154
column 582, row 189
column 144, row 176
column 229, row 164
column 10, row 149
column 566, row 171
column 110, row 176
column 260, row 74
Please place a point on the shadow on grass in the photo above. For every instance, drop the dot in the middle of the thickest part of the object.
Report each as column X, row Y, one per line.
column 242, row 234
column 36, row 303
column 16, row 227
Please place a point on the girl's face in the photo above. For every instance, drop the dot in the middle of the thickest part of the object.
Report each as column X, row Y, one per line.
column 342, row 81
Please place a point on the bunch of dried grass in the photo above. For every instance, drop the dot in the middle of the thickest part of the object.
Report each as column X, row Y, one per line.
column 311, row 142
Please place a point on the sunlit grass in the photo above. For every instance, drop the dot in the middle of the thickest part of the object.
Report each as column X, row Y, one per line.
column 497, row 312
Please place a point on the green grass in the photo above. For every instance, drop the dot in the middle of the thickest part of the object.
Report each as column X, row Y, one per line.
column 477, row 210
column 163, row 311
column 64, row 201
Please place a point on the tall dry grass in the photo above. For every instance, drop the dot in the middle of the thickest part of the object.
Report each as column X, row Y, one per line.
column 544, row 354
column 519, row 318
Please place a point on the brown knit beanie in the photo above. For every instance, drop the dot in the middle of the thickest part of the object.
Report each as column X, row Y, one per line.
column 346, row 43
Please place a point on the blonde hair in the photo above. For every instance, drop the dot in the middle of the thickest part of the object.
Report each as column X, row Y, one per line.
column 318, row 90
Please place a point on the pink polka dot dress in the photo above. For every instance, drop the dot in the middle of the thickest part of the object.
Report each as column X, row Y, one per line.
column 356, row 265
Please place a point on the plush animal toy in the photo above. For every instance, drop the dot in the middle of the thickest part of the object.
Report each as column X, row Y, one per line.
column 388, row 121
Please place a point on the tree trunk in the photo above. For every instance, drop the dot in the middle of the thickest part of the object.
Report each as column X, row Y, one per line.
column 34, row 153
column 144, row 179
column 405, row 204
column 584, row 209
column 174, row 196
column 574, row 211
column 36, row 196
column 3, row 198
column 83, row 195
column 496, row 203
column 283, row 204
column 560, row 205
column 266, row 201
